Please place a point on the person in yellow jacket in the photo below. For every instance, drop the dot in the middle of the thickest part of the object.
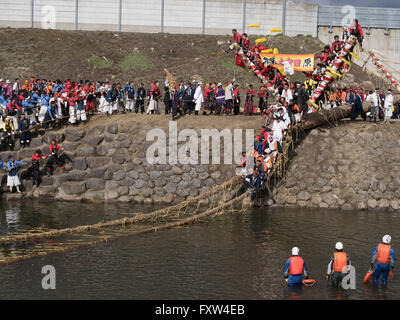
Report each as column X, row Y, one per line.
column 7, row 140
column 310, row 85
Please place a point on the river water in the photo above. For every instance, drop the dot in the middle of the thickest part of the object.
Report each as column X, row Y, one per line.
column 233, row 256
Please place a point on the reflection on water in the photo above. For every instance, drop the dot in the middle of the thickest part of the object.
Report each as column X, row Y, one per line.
column 237, row 256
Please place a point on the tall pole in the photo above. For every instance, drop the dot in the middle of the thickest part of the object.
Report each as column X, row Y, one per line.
column 32, row 10
column 244, row 16
column 162, row 15
column 120, row 16
column 76, row 14
column 203, row 27
column 283, row 16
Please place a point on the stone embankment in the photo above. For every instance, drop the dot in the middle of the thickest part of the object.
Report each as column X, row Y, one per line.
column 109, row 163
column 351, row 166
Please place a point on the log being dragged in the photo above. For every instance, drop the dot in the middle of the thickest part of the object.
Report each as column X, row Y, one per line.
column 321, row 117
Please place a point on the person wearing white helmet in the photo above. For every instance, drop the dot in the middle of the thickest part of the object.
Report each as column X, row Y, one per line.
column 294, row 268
column 337, row 265
column 384, row 256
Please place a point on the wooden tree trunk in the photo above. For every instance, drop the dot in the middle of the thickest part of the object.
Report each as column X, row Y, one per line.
column 322, row 117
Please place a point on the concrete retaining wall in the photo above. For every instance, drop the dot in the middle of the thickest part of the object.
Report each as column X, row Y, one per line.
column 180, row 16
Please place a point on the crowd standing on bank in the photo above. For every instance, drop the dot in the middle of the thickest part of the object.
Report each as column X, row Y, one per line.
column 47, row 104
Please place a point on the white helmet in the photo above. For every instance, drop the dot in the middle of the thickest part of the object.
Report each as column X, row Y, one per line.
column 387, row 239
column 339, row 246
column 295, row 251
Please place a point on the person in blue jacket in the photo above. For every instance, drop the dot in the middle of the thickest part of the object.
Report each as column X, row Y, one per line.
column 2, row 166
column 35, row 98
column 3, row 101
column 258, row 145
column 350, row 97
column 357, row 108
column 58, row 86
column 12, row 178
column 25, row 134
column 44, row 104
column 253, row 181
column 384, row 255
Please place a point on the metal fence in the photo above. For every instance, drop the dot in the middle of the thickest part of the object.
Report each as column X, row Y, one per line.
column 190, row 16
column 382, row 18
column 179, row 16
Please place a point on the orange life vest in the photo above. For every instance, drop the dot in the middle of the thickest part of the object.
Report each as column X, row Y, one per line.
column 383, row 254
column 275, row 146
column 339, row 261
column 296, row 265
column 265, row 167
column 269, row 164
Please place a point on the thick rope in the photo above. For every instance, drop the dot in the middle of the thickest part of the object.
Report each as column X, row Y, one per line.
column 140, row 217
column 166, row 226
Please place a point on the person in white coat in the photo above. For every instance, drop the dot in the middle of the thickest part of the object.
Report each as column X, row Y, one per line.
column 277, row 129
column 374, row 100
column 198, row 98
column 228, row 97
column 287, row 93
column 388, row 105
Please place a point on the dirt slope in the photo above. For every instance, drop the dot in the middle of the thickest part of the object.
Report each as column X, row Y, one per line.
column 54, row 54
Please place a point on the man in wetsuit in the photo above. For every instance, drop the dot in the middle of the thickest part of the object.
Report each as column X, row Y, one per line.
column 337, row 265
column 384, row 255
column 294, row 268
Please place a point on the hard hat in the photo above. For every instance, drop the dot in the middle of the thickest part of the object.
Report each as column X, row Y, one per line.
column 387, row 239
column 339, row 246
column 295, row 251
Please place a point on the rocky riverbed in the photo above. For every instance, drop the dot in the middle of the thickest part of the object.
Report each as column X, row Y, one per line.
column 353, row 165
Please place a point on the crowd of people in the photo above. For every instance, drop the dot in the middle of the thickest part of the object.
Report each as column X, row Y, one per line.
column 56, row 157
column 49, row 103
column 290, row 103
column 41, row 103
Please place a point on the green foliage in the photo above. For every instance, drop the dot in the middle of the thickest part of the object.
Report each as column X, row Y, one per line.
column 99, row 63
column 135, row 61
column 228, row 62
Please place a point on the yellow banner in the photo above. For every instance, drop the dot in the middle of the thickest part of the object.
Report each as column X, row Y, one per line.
column 299, row 62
